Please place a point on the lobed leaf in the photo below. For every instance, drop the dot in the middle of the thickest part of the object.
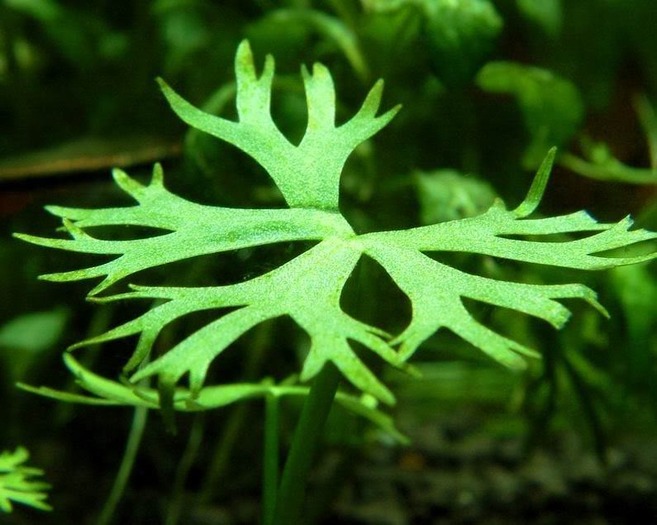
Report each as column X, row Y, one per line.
column 193, row 229
column 324, row 148
column 17, row 484
column 436, row 292
column 308, row 288
column 491, row 234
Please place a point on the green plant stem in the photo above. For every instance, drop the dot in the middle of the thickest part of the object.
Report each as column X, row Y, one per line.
column 223, row 452
column 586, row 393
column 132, row 447
column 271, row 459
column 184, row 467
column 292, row 492
column 236, row 419
column 647, row 115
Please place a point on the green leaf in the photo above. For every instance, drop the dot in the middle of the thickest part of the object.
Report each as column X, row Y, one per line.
column 445, row 195
column 112, row 393
column 600, row 163
column 546, row 14
column 297, row 289
column 323, row 149
column 24, row 339
column 551, row 106
column 308, row 289
column 17, row 484
column 212, row 230
column 460, row 36
column 284, row 24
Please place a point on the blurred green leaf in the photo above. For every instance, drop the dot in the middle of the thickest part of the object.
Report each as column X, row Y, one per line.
column 600, row 163
column 384, row 6
column 16, row 484
column 292, row 26
column 81, row 37
column 25, row 338
column 34, row 332
column 636, row 289
column 446, row 195
column 111, row 393
column 460, row 37
column 546, row 14
column 551, row 106
column 44, row 10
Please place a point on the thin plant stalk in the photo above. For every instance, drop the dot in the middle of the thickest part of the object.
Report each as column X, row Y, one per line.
column 292, row 492
column 139, row 419
column 271, row 458
column 237, row 418
column 184, row 467
column 223, row 452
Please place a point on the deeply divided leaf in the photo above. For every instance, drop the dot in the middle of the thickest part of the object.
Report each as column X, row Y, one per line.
column 20, row 483
column 308, row 289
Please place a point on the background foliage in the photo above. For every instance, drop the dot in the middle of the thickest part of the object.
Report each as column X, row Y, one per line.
column 486, row 87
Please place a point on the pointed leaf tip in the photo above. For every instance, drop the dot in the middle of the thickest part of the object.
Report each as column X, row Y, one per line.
column 536, row 190
column 127, row 183
column 244, row 48
column 75, row 231
column 244, row 65
column 373, row 98
column 157, row 178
